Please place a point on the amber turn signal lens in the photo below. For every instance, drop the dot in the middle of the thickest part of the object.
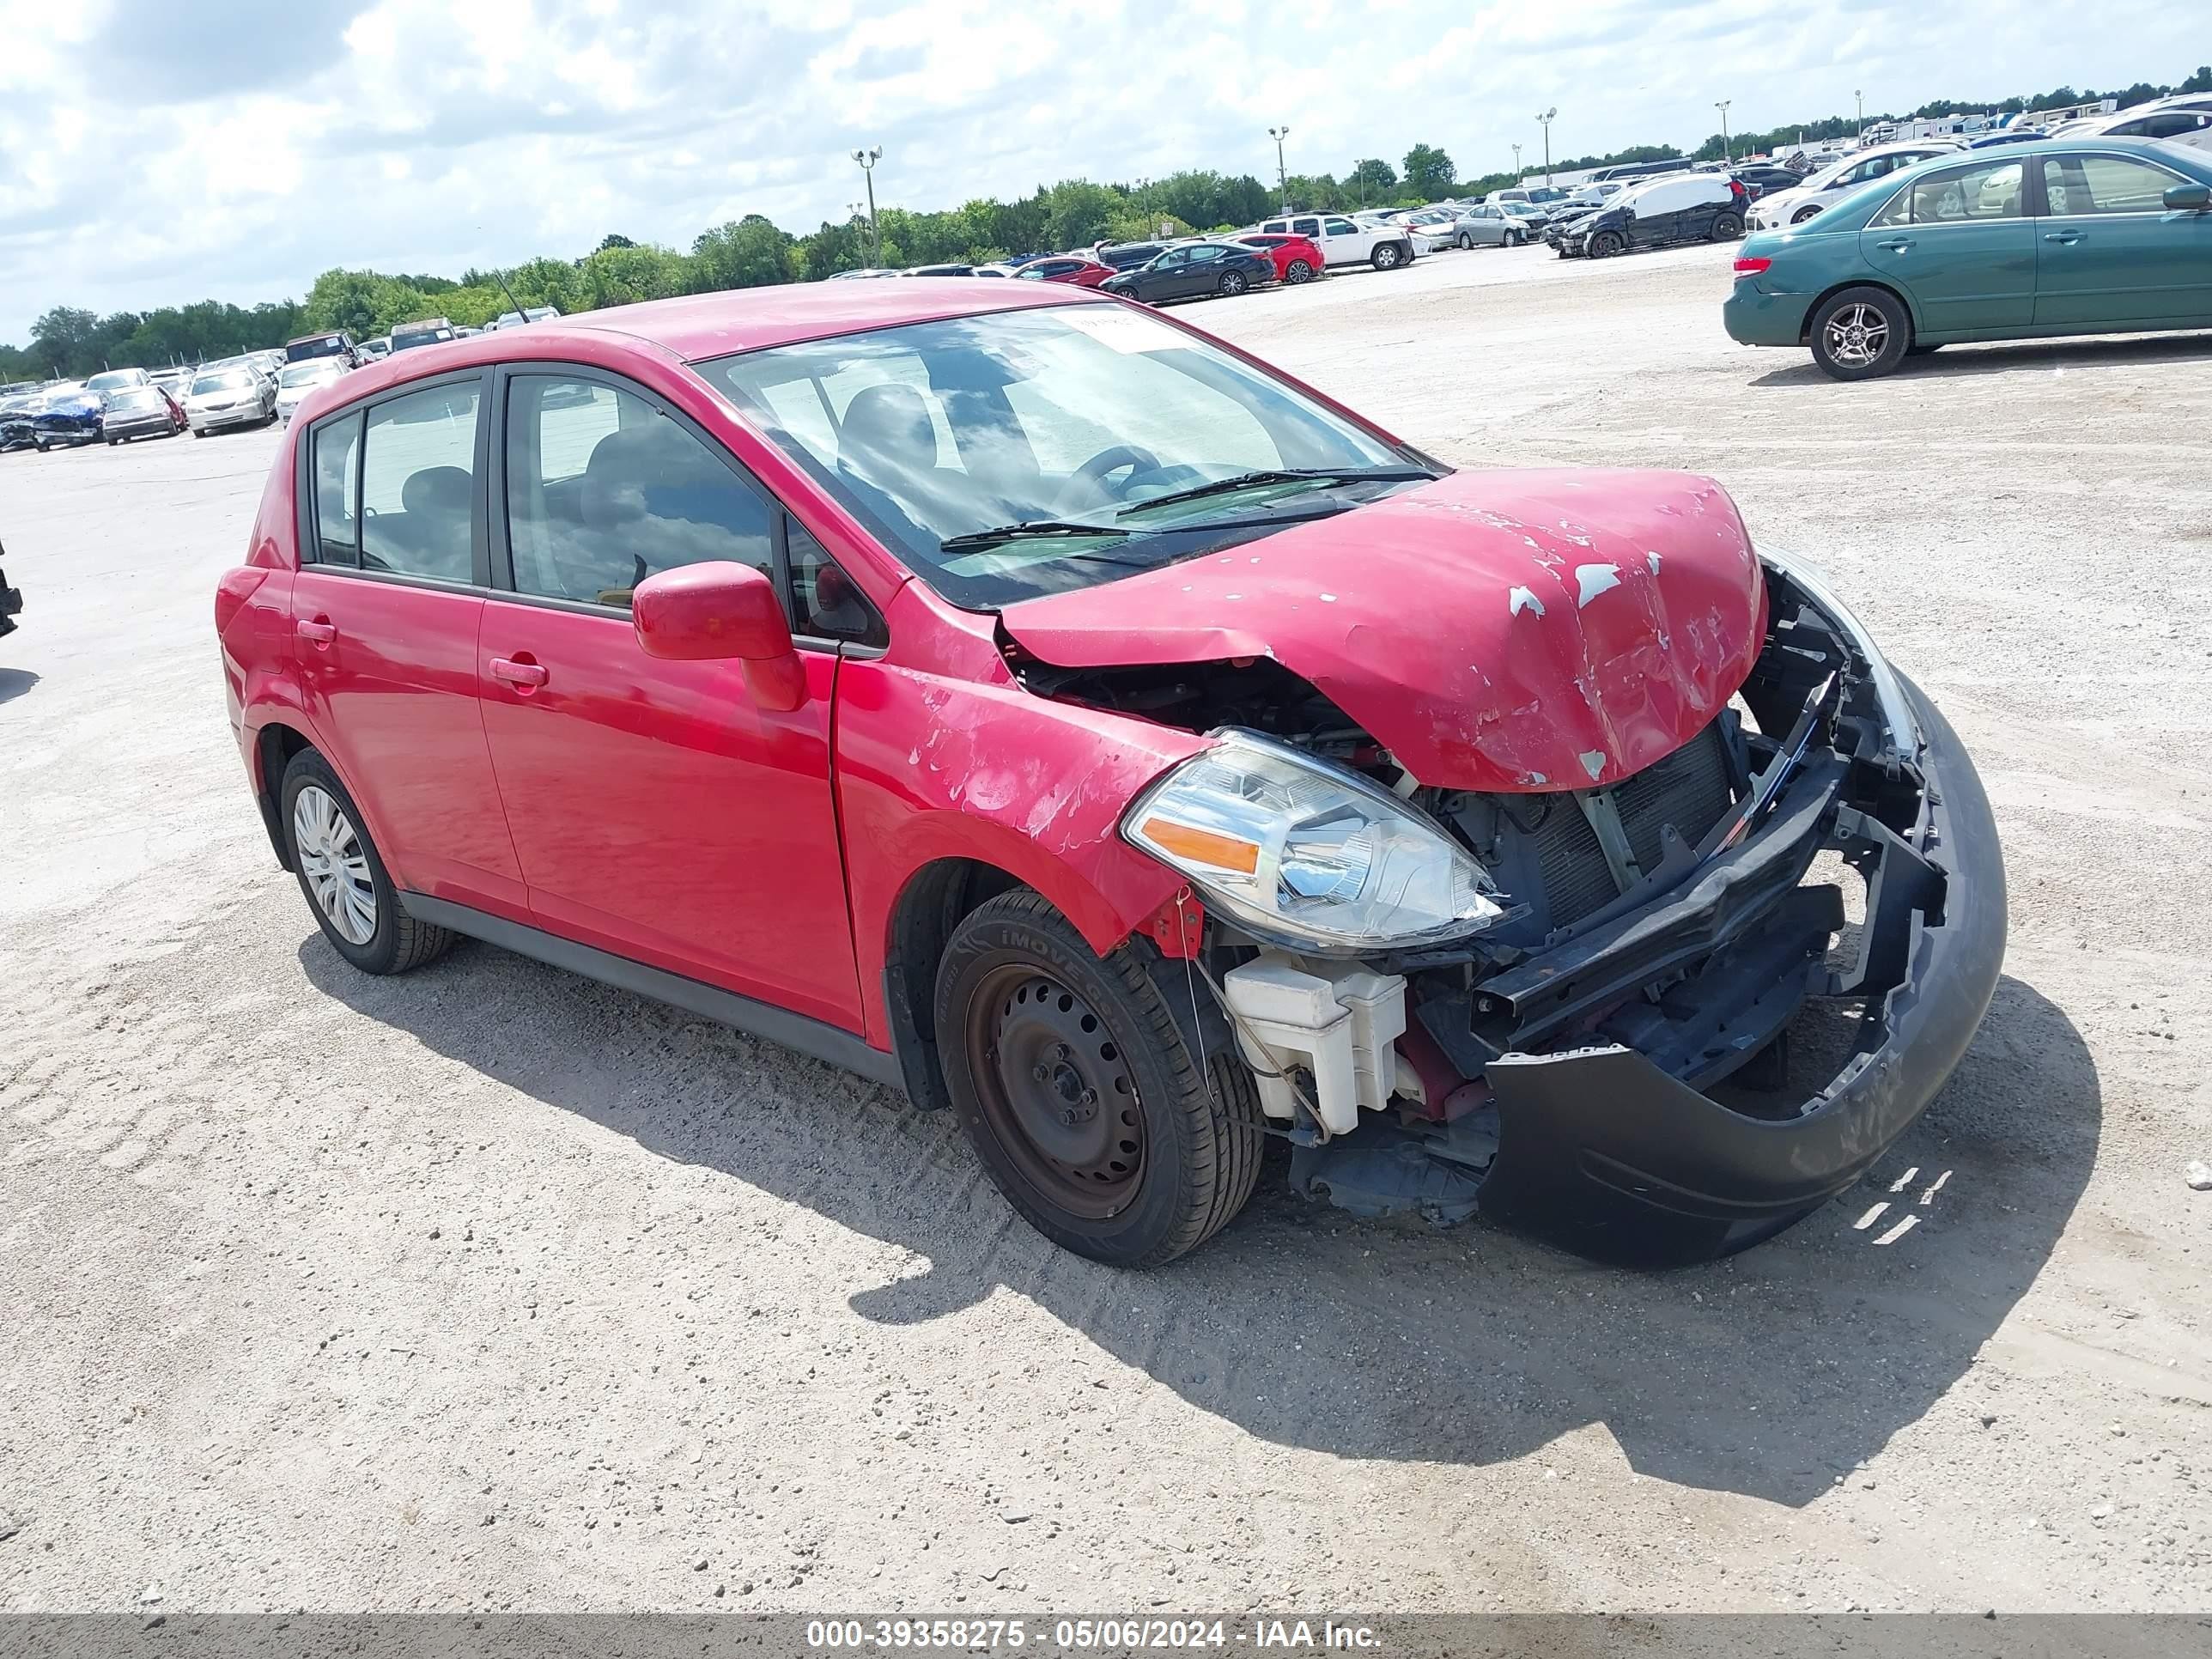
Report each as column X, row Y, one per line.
column 1203, row 845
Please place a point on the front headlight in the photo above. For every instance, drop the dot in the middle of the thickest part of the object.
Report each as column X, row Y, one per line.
column 1307, row 853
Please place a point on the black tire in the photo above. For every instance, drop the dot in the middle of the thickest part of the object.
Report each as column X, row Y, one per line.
column 1466, row 240
column 1018, row 983
column 1387, row 256
column 1803, row 214
column 1299, row 271
column 1861, row 334
column 1514, row 238
column 112, row 442
column 1608, row 243
column 1726, row 228
column 398, row 942
column 199, row 432
column 1232, row 283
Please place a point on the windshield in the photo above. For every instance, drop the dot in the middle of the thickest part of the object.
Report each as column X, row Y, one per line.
column 1062, row 432
column 137, row 397
column 308, row 374
column 114, row 378
column 230, row 379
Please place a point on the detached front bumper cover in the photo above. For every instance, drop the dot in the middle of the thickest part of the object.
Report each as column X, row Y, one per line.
column 1598, row 1140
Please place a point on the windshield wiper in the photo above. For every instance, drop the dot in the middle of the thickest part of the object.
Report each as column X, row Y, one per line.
column 1282, row 475
column 1024, row 530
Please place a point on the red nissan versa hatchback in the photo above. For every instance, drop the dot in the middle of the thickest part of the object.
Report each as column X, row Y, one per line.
column 1042, row 709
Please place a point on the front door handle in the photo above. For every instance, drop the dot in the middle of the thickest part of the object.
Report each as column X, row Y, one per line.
column 521, row 673
column 2068, row 237
column 1896, row 244
column 319, row 631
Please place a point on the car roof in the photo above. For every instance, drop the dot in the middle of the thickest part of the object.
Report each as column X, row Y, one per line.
column 698, row 326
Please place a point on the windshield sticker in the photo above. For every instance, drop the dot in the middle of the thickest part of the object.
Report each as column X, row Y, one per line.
column 1110, row 325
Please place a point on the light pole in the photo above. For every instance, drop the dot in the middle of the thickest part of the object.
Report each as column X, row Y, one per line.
column 1544, row 121
column 1860, row 98
column 867, row 158
column 1282, row 178
column 1722, row 106
column 1516, row 164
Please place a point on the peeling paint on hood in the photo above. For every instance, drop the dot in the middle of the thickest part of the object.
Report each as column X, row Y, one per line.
column 1492, row 629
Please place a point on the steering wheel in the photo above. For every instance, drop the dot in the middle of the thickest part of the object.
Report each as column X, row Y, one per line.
column 1090, row 476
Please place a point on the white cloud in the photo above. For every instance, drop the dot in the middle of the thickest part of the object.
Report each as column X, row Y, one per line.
column 157, row 154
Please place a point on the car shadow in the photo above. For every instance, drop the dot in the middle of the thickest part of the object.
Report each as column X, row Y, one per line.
column 14, row 681
column 2012, row 357
column 1771, row 1374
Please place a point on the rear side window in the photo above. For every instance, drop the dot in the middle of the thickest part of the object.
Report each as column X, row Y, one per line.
column 418, row 482
column 1958, row 196
column 338, row 493
column 603, row 489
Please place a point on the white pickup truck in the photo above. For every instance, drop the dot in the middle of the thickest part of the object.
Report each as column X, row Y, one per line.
column 1342, row 242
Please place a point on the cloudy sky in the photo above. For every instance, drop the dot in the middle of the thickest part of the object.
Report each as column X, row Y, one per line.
column 153, row 152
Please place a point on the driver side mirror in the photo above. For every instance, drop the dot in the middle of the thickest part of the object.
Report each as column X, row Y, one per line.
column 2187, row 199
column 722, row 611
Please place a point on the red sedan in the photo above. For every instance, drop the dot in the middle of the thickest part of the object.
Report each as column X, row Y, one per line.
column 1075, row 271
column 1046, row 711
column 1297, row 259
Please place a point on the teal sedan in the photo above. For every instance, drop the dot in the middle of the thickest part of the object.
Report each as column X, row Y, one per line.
column 2064, row 236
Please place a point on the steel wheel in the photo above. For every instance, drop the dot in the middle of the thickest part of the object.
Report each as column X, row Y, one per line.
column 1057, row 1092
column 334, row 865
column 1856, row 335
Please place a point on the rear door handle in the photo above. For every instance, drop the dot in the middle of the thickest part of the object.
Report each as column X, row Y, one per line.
column 1896, row 244
column 321, row 632
column 524, row 674
column 2068, row 237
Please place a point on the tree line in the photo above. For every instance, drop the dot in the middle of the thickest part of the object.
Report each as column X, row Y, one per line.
column 753, row 251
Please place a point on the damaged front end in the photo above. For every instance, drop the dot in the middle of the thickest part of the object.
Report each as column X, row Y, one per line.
column 1643, row 1011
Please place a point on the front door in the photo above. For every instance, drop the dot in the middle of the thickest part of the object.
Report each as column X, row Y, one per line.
column 384, row 615
column 658, row 811
column 2110, row 253
column 1960, row 243
column 1342, row 242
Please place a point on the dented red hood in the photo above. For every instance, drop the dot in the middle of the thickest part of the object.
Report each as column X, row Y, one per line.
column 1494, row 630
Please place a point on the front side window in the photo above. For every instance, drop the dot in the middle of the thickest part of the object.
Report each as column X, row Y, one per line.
column 951, row 439
column 2103, row 183
column 1341, row 228
column 336, row 461
column 1988, row 191
column 825, row 601
column 418, row 483
column 603, row 489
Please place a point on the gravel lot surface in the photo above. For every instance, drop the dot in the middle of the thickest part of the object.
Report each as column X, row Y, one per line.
column 488, row 1287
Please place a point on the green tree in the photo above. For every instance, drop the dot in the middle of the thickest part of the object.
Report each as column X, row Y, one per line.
column 748, row 252
column 1371, row 180
column 1078, row 214
column 2200, row 81
column 609, row 242
column 1429, row 173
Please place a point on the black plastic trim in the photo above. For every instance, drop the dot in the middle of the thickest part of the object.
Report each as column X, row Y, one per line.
column 810, row 1036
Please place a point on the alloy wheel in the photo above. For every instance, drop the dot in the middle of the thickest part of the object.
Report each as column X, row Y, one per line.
column 1056, row 1091
column 335, row 863
column 1856, row 335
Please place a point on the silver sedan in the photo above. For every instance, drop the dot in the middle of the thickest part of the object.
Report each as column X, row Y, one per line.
column 238, row 396
column 1487, row 224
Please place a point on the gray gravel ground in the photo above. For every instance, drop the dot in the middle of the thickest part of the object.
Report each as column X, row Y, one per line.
column 488, row 1287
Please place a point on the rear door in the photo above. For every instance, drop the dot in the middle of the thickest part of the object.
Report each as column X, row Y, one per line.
column 1960, row 243
column 2109, row 251
column 659, row 812
column 386, row 609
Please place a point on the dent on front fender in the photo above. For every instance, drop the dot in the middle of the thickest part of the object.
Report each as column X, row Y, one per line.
column 930, row 767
